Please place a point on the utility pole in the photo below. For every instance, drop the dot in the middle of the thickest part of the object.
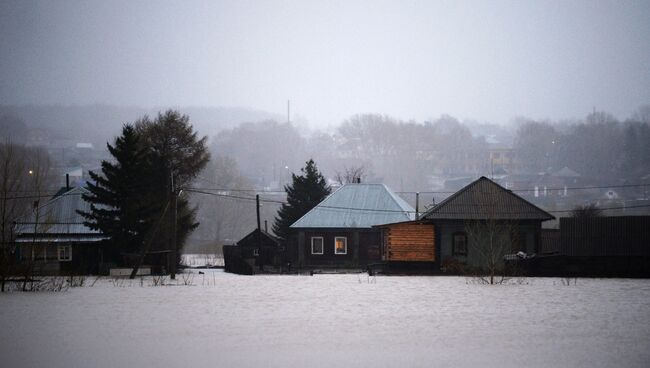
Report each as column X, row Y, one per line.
column 417, row 205
column 174, row 199
column 257, row 205
column 259, row 231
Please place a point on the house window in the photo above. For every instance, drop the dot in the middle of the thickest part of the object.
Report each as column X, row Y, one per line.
column 256, row 252
column 317, row 245
column 459, row 244
column 340, row 245
column 64, row 253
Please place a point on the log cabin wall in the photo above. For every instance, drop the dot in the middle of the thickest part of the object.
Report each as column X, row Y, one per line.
column 363, row 247
column 410, row 242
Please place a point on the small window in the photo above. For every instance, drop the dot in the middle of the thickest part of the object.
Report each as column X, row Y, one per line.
column 316, row 245
column 256, row 252
column 459, row 244
column 65, row 253
column 340, row 245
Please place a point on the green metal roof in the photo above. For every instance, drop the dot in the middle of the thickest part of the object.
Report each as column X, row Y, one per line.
column 357, row 206
column 58, row 217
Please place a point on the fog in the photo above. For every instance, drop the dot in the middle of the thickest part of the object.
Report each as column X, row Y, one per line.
column 487, row 61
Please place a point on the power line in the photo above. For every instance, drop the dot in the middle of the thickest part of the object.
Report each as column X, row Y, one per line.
column 401, row 211
column 541, row 188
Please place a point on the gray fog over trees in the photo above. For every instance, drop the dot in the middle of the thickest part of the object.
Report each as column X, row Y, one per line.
column 433, row 157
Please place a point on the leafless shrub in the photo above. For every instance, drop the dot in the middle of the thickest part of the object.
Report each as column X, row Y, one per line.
column 566, row 281
column 187, row 279
column 76, row 281
column 49, row 284
column 158, row 280
column 118, row 281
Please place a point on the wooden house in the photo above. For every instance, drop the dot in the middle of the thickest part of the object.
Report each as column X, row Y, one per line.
column 54, row 240
column 448, row 236
column 339, row 232
column 253, row 252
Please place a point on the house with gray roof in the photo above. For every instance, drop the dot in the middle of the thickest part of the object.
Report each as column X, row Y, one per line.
column 339, row 231
column 452, row 234
column 54, row 239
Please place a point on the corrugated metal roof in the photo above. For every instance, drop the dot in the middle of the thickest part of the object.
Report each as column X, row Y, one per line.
column 485, row 199
column 357, row 206
column 58, row 216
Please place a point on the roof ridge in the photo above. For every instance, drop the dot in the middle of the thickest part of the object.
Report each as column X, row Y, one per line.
column 393, row 196
column 437, row 209
column 446, row 200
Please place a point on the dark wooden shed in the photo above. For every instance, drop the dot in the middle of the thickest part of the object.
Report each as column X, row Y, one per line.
column 253, row 252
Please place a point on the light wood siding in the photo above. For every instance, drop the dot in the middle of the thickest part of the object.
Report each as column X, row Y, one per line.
column 411, row 242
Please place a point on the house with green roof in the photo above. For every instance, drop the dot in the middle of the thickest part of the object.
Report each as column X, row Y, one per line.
column 339, row 232
column 54, row 238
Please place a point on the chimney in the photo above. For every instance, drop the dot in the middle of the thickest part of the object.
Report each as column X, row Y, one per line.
column 67, row 182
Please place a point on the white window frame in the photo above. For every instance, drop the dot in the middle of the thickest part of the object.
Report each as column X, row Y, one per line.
column 322, row 245
column 345, row 241
column 63, row 248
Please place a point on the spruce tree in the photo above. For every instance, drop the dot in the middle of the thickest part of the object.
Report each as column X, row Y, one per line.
column 304, row 193
column 120, row 206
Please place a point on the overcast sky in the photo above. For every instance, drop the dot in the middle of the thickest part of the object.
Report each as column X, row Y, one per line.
column 486, row 60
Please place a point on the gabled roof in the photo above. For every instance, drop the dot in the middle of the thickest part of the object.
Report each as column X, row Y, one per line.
column 252, row 239
column 357, row 206
column 58, row 216
column 485, row 199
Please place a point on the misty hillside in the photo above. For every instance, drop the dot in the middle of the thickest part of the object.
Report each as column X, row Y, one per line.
column 98, row 123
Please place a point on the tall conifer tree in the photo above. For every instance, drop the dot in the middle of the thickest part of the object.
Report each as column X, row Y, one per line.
column 304, row 193
column 119, row 199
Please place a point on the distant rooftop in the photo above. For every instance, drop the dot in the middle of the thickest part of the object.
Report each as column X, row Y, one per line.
column 58, row 218
column 357, row 206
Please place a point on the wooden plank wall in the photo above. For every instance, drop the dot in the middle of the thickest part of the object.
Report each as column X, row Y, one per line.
column 411, row 242
column 605, row 236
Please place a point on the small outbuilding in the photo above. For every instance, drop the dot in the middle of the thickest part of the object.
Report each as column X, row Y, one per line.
column 253, row 252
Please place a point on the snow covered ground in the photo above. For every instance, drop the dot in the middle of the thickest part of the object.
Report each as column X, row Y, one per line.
column 329, row 321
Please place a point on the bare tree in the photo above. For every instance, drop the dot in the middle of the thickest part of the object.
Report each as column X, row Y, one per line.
column 38, row 164
column 11, row 207
column 23, row 180
column 491, row 240
column 588, row 210
column 352, row 174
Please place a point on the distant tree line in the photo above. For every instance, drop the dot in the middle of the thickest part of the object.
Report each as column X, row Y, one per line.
column 600, row 146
